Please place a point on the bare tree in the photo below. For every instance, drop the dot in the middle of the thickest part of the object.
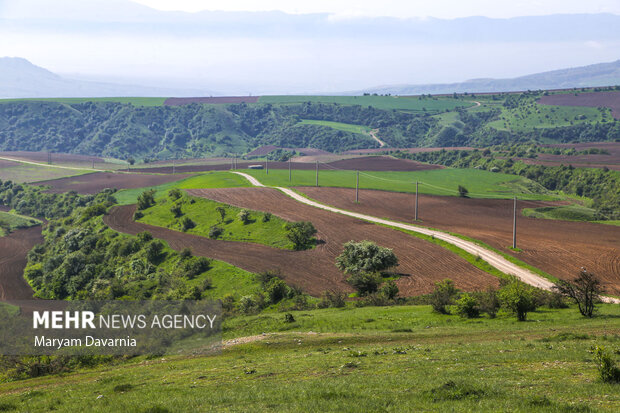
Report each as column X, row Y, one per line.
column 584, row 289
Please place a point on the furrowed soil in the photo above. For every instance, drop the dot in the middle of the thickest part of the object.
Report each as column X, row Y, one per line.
column 95, row 182
column 611, row 160
column 592, row 99
column 421, row 263
column 559, row 248
column 13, row 250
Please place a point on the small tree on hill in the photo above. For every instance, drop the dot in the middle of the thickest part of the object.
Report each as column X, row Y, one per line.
column 175, row 194
column 222, row 211
column 146, row 199
column 443, row 296
column 244, row 216
column 518, row 298
column 301, row 234
column 365, row 257
column 365, row 282
column 463, row 191
column 584, row 289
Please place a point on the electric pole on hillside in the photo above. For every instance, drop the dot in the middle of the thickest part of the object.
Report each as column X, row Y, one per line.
column 357, row 187
column 267, row 166
column 93, row 163
column 514, row 224
column 232, row 163
column 317, row 173
column 416, row 200
column 49, row 158
column 173, row 166
column 289, row 170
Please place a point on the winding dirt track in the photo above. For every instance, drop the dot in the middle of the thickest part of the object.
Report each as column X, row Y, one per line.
column 422, row 263
column 560, row 248
column 13, row 250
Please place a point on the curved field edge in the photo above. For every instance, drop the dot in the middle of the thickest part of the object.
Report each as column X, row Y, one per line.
column 203, row 212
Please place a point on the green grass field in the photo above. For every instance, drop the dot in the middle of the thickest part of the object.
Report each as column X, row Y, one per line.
column 544, row 116
column 9, row 222
column 565, row 213
column 346, row 127
column 413, row 104
column 206, row 180
column 203, row 212
column 382, row 358
column 23, row 172
column 481, row 184
column 136, row 101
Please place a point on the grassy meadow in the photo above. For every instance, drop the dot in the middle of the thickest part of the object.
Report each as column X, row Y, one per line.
column 203, row 213
column 481, row 184
column 346, row 127
column 9, row 222
column 386, row 359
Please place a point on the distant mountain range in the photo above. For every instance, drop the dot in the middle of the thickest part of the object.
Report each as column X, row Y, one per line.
column 21, row 79
column 602, row 74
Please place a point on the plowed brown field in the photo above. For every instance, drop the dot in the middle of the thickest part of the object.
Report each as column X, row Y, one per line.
column 95, row 182
column 422, row 263
column 13, row 250
column 592, row 99
column 217, row 99
column 560, row 248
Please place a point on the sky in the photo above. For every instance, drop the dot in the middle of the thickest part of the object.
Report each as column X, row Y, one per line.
column 447, row 9
column 314, row 46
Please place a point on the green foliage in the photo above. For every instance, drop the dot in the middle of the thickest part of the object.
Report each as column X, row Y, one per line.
column 146, row 199
column 222, row 212
column 244, row 216
column 187, row 224
column 175, row 193
column 176, row 210
column 365, row 282
column 609, row 372
column 332, row 298
column 463, row 191
column 585, row 290
column 267, row 217
column 467, row 306
column 215, row 232
column 443, row 295
column 276, row 290
column 518, row 298
column 365, row 257
column 10, row 222
column 301, row 234
column 389, row 290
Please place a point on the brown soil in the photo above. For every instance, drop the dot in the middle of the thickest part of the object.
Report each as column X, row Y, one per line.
column 56, row 157
column 267, row 149
column 591, row 99
column 560, row 248
column 367, row 163
column 612, row 161
column 95, row 182
column 218, row 99
column 421, row 263
column 409, row 150
column 13, row 250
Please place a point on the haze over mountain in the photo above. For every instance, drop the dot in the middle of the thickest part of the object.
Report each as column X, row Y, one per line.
column 118, row 41
column 21, row 79
column 601, row 74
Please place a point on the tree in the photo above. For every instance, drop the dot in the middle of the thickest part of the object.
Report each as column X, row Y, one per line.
column 389, row 290
column 146, row 199
column 518, row 298
column 443, row 296
column 584, row 289
column 187, row 224
column 222, row 211
column 467, row 306
column 365, row 282
column 244, row 216
column 365, row 257
column 301, row 234
column 463, row 191
column 176, row 210
column 175, row 194
column 131, row 161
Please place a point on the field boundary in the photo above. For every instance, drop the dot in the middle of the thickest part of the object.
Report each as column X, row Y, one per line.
column 497, row 261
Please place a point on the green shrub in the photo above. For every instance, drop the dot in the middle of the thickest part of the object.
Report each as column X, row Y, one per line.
column 365, row 257
column 365, row 283
column 244, row 216
column 301, row 234
column 389, row 290
column 518, row 298
column 175, row 194
column 176, row 210
column 267, row 217
column 146, row 199
column 443, row 296
column 608, row 371
column 288, row 318
column 215, row 232
column 187, row 224
column 136, row 215
column 467, row 306
column 276, row 290
column 332, row 299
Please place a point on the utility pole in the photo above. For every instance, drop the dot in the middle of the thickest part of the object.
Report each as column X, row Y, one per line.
column 289, row 170
column 357, row 187
column 416, row 200
column 514, row 224
column 49, row 158
column 93, row 163
column 317, row 173
column 267, row 167
column 173, row 166
column 232, row 162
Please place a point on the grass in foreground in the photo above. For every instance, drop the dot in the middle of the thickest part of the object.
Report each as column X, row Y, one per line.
column 381, row 358
column 207, row 180
column 204, row 214
column 481, row 184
